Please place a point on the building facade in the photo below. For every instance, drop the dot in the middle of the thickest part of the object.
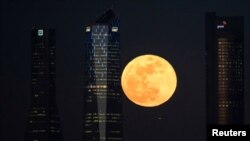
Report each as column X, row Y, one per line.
column 43, row 120
column 224, row 69
column 102, row 88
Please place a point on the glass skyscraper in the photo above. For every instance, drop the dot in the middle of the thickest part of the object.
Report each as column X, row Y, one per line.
column 102, row 88
column 43, row 120
column 224, row 69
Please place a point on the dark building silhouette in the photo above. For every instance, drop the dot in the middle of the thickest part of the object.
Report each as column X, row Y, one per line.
column 43, row 120
column 102, row 89
column 224, row 69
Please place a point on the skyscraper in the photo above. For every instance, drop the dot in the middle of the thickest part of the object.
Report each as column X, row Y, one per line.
column 224, row 69
column 102, row 89
column 43, row 119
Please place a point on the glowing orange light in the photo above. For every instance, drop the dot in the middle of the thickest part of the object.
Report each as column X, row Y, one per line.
column 149, row 80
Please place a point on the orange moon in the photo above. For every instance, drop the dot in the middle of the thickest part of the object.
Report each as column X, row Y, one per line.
column 149, row 80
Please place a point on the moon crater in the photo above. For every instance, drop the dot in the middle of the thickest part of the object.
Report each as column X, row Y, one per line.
column 149, row 80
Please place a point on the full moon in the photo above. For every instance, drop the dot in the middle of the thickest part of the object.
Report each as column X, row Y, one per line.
column 149, row 80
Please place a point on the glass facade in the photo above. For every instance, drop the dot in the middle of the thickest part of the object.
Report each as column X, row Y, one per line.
column 225, row 69
column 43, row 119
column 102, row 90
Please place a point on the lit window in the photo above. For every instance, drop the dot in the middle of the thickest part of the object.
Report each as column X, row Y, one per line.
column 114, row 29
column 88, row 29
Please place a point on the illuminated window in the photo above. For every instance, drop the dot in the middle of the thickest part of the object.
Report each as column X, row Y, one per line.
column 88, row 29
column 114, row 29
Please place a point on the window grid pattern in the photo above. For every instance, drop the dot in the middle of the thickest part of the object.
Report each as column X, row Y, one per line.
column 230, row 78
column 102, row 108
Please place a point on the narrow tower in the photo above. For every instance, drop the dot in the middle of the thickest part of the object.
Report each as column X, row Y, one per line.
column 43, row 120
column 102, row 89
column 224, row 70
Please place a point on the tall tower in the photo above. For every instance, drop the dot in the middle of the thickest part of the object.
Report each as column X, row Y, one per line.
column 102, row 89
column 43, row 119
column 224, row 69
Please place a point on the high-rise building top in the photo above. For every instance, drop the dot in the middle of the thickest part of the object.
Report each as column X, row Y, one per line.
column 102, row 89
column 43, row 120
column 224, row 69
column 107, row 17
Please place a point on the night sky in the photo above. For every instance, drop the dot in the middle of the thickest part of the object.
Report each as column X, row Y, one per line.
column 173, row 29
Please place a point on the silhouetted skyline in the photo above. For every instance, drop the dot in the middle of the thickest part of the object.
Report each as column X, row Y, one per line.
column 174, row 30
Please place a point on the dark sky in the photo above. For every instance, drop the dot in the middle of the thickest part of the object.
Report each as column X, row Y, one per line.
column 173, row 29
